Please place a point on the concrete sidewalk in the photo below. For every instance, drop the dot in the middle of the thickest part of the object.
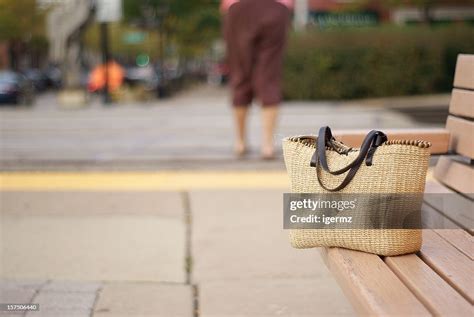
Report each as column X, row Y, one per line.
column 193, row 253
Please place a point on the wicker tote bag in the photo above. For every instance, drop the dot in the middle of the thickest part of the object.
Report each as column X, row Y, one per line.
column 324, row 165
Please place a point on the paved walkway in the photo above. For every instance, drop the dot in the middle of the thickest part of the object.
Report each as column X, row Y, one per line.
column 191, row 131
column 179, row 228
column 199, row 252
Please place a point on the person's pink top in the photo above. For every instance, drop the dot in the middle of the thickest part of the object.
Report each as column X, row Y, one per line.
column 225, row 4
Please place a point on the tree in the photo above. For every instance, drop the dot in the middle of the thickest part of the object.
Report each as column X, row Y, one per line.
column 22, row 28
column 20, row 20
column 190, row 24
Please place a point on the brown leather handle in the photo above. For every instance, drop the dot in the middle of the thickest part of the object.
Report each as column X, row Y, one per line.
column 367, row 150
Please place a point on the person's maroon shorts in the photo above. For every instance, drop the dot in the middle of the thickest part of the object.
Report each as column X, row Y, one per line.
column 255, row 33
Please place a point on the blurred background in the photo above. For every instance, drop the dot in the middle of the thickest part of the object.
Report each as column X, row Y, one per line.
column 129, row 201
column 166, row 46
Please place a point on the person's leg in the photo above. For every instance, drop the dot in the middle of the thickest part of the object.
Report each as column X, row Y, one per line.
column 269, row 116
column 268, row 69
column 240, row 55
column 240, row 117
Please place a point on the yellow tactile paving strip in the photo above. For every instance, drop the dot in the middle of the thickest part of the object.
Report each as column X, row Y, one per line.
column 130, row 181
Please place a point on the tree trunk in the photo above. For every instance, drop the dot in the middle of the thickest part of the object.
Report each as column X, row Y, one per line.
column 426, row 15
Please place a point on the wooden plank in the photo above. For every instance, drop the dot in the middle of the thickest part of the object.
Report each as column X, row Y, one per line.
column 457, row 175
column 453, row 266
column 455, row 207
column 464, row 76
column 439, row 138
column 434, row 219
column 462, row 103
column 462, row 131
column 437, row 295
column 371, row 287
column 459, row 239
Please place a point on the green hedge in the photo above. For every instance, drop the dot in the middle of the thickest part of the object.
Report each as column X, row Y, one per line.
column 360, row 63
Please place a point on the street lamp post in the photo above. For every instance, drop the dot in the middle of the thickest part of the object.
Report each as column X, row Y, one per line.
column 104, row 43
column 154, row 17
column 161, row 11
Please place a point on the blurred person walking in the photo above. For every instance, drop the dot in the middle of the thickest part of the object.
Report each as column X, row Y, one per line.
column 255, row 32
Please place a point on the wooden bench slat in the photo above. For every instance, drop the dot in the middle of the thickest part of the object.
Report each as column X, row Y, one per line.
column 438, row 296
column 371, row 287
column 440, row 279
column 460, row 239
column 434, row 219
column 439, row 138
column 462, row 103
column 455, row 268
column 462, row 131
column 464, row 76
column 452, row 205
column 455, row 174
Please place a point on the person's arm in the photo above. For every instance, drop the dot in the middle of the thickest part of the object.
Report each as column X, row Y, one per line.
column 289, row 3
column 225, row 5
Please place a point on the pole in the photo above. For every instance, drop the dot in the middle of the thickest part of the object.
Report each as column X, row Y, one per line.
column 162, row 86
column 104, row 43
column 162, row 12
column 301, row 15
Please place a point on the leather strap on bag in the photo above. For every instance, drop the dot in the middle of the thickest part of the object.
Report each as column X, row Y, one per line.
column 367, row 150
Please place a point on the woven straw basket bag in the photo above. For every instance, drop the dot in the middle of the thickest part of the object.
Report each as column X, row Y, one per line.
column 324, row 165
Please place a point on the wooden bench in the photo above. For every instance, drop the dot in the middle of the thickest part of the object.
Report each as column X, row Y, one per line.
column 439, row 280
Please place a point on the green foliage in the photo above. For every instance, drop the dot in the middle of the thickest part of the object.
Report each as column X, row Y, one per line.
column 190, row 25
column 20, row 20
column 360, row 63
column 137, row 9
column 194, row 34
column 117, row 31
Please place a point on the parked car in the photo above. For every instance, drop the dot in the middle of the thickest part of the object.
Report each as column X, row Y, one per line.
column 145, row 77
column 38, row 78
column 218, row 74
column 54, row 77
column 15, row 88
column 172, row 78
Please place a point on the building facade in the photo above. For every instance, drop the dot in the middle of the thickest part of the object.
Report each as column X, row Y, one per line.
column 356, row 13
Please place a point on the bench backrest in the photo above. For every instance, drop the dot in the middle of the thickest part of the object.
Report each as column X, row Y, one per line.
column 458, row 173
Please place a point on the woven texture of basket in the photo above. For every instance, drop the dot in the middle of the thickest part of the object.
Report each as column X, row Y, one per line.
column 399, row 166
